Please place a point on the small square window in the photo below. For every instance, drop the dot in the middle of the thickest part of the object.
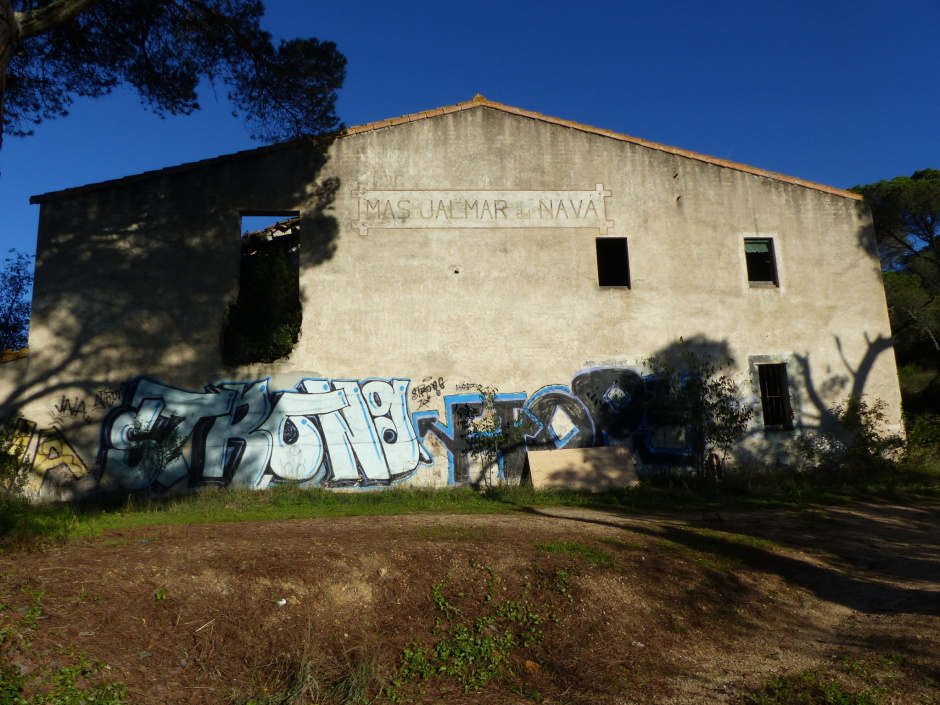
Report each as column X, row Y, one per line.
column 761, row 264
column 613, row 265
column 775, row 397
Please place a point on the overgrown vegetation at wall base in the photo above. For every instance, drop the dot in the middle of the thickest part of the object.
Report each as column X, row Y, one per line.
column 24, row 525
column 860, row 444
column 698, row 394
column 13, row 469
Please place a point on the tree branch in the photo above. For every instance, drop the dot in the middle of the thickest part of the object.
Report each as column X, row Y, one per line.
column 49, row 17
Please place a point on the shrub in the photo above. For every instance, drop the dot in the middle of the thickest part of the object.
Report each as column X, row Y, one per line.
column 705, row 400
column 923, row 437
column 858, row 443
column 14, row 468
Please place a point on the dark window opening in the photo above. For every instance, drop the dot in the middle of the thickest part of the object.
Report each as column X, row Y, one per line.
column 613, row 264
column 263, row 324
column 775, row 397
column 761, row 265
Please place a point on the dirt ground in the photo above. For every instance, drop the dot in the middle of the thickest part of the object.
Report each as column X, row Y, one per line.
column 630, row 609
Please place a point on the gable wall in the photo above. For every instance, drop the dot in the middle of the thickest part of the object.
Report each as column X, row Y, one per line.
column 134, row 279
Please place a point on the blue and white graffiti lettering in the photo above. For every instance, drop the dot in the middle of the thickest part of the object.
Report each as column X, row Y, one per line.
column 342, row 433
column 603, row 406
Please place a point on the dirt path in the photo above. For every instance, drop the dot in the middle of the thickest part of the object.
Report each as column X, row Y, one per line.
column 616, row 608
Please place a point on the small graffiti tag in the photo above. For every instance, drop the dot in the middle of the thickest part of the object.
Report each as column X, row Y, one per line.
column 429, row 387
column 106, row 398
column 70, row 407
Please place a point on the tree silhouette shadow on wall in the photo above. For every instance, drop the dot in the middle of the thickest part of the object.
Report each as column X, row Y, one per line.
column 134, row 277
column 757, row 447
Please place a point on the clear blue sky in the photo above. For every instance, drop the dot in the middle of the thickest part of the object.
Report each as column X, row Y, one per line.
column 832, row 91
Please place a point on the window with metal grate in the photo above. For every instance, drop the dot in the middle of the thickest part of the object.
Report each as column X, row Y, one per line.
column 775, row 397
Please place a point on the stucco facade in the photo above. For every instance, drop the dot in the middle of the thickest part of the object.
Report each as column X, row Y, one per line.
column 439, row 252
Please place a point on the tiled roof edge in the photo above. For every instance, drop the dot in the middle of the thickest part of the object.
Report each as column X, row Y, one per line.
column 11, row 355
column 477, row 102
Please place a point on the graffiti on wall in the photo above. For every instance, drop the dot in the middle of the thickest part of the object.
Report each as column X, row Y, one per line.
column 362, row 433
column 602, row 406
column 53, row 465
column 340, row 433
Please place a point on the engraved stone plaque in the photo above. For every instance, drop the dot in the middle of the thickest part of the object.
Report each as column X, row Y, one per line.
column 482, row 209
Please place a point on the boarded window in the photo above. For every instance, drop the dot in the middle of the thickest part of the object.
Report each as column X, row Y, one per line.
column 775, row 397
column 613, row 265
column 761, row 264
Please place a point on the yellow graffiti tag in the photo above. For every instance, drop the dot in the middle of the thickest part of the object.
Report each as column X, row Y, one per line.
column 54, row 459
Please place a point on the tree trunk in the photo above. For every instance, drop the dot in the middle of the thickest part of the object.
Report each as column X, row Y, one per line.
column 8, row 31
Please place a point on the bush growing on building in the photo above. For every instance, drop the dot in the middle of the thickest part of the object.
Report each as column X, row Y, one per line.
column 702, row 398
column 264, row 322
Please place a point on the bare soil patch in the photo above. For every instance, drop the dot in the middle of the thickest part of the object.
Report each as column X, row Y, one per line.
column 694, row 609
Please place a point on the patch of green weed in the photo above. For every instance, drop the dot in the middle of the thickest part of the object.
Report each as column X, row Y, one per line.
column 472, row 644
column 455, row 533
column 77, row 684
column 808, row 688
column 592, row 555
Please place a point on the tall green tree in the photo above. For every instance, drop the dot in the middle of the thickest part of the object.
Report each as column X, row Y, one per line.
column 906, row 214
column 52, row 51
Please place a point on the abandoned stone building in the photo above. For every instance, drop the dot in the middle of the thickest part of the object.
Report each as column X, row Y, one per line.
column 411, row 262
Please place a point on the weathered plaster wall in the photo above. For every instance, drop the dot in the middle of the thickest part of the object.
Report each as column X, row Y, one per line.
column 133, row 280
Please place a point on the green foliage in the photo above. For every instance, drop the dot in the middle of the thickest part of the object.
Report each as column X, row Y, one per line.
column 592, row 555
column 474, row 643
column 163, row 50
column 264, row 322
column 906, row 214
column 808, row 688
column 914, row 309
column 155, row 448
column 14, row 467
column 492, row 432
column 16, row 280
column 859, row 444
column 923, row 430
column 923, row 439
column 703, row 398
column 78, row 684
